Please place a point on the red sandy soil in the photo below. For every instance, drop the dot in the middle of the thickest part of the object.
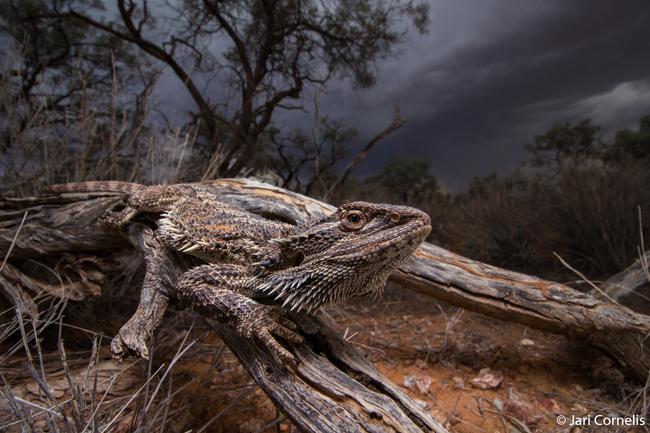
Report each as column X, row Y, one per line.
column 413, row 339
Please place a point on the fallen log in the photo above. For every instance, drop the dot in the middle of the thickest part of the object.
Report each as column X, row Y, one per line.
column 332, row 389
column 433, row 271
column 483, row 288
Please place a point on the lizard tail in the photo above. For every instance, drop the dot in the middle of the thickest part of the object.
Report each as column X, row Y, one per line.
column 94, row 186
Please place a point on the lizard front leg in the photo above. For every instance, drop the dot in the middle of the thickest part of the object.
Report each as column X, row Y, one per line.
column 214, row 290
column 161, row 275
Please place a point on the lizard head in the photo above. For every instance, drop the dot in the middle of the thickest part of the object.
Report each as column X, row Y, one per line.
column 349, row 253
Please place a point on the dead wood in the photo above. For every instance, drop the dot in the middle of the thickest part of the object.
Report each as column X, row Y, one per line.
column 434, row 271
column 394, row 125
column 333, row 388
column 486, row 289
column 631, row 286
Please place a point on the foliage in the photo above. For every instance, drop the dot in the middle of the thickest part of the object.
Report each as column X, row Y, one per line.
column 565, row 142
column 582, row 202
column 308, row 164
column 52, row 61
column 407, row 180
column 632, row 145
column 38, row 147
column 259, row 55
column 74, row 100
column 499, row 221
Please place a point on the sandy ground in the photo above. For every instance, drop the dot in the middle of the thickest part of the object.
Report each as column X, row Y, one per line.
column 473, row 373
column 442, row 357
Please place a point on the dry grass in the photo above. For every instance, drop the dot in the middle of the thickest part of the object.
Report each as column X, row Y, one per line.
column 84, row 390
column 117, row 138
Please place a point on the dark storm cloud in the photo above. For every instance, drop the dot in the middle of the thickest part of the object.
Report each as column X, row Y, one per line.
column 485, row 80
column 483, row 83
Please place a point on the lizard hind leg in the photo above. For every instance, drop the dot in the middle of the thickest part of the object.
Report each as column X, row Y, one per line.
column 155, row 198
column 119, row 219
column 212, row 290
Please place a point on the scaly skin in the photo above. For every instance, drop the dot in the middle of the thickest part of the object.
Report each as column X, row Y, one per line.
column 351, row 253
column 257, row 267
column 194, row 220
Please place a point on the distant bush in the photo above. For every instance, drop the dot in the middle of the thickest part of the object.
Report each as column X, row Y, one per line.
column 587, row 215
column 578, row 196
column 499, row 221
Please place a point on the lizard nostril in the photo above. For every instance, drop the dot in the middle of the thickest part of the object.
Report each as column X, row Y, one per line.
column 394, row 217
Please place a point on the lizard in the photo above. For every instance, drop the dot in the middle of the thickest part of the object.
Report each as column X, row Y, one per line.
column 194, row 220
column 348, row 254
column 288, row 268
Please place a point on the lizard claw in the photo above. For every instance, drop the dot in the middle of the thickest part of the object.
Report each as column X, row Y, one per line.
column 117, row 220
column 267, row 323
column 130, row 340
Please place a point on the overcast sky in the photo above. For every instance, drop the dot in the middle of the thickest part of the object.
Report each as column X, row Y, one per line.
column 490, row 75
column 487, row 78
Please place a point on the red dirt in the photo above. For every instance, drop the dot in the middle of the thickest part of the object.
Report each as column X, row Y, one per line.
column 544, row 375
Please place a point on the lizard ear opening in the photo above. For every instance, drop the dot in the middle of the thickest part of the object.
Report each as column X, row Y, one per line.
column 297, row 259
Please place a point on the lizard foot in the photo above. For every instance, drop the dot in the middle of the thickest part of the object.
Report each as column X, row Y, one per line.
column 262, row 323
column 131, row 339
column 119, row 219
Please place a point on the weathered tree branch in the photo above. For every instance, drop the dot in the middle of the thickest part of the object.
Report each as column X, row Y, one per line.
column 476, row 286
column 333, row 388
column 630, row 286
column 52, row 228
column 394, row 125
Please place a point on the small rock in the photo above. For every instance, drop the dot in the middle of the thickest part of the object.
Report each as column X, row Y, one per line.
column 459, row 382
column 487, row 379
column 409, row 381
column 549, row 405
column 423, row 383
column 526, row 342
column 441, row 416
column 498, row 404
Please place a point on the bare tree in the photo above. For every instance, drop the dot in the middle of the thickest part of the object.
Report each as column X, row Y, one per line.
column 263, row 52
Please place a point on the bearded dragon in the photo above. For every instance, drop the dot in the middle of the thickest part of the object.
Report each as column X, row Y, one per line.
column 256, row 269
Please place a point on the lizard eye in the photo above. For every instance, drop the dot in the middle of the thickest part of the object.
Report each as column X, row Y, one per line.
column 354, row 220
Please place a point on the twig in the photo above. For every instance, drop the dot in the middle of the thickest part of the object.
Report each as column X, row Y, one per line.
column 396, row 124
column 581, row 275
column 13, row 242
